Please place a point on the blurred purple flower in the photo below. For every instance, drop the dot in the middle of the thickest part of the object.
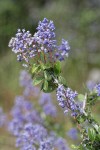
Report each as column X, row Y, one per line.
column 73, row 134
column 15, row 126
column 90, row 85
column 3, row 118
column 30, row 90
column 30, row 135
column 47, row 105
column 66, row 98
column 22, row 112
column 98, row 89
column 24, row 78
column 26, row 81
column 45, row 98
column 61, row 144
column 50, row 109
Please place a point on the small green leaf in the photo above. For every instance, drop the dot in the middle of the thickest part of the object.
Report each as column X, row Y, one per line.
column 96, row 127
column 47, row 75
column 45, row 85
column 34, row 68
column 45, row 66
column 81, row 97
column 37, row 80
column 57, row 68
column 74, row 147
column 91, row 134
column 48, row 86
column 62, row 81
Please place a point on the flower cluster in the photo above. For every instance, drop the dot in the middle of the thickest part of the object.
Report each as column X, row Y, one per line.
column 31, row 135
column 63, row 50
column 42, row 43
column 36, row 137
column 22, row 44
column 66, row 99
column 45, row 35
column 22, row 112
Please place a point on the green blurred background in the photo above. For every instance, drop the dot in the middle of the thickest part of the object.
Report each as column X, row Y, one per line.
column 78, row 21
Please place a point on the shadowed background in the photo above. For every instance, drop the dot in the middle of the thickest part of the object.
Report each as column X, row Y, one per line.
column 76, row 21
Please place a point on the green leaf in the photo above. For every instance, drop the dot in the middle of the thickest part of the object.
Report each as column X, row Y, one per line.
column 34, row 68
column 74, row 147
column 45, row 66
column 81, row 97
column 48, row 86
column 96, row 127
column 47, row 75
column 91, row 134
column 62, row 81
column 37, row 80
column 57, row 68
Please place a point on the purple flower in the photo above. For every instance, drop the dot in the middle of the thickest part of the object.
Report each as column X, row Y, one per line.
column 50, row 109
column 47, row 105
column 35, row 135
column 45, row 35
column 22, row 45
column 31, row 90
column 90, row 85
column 98, row 89
column 61, row 144
column 24, row 78
column 26, row 81
column 72, row 133
column 15, row 126
column 46, row 145
column 31, row 134
column 43, row 42
column 33, row 117
column 22, row 112
column 45, row 98
column 66, row 98
column 17, row 112
column 63, row 50
column 3, row 118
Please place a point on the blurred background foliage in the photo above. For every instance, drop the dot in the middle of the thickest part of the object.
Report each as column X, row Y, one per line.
column 78, row 21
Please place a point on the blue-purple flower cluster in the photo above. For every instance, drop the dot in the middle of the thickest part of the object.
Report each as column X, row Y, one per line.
column 22, row 44
column 22, row 112
column 31, row 135
column 63, row 50
column 45, row 35
column 66, row 98
column 42, row 42
column 35, row 136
